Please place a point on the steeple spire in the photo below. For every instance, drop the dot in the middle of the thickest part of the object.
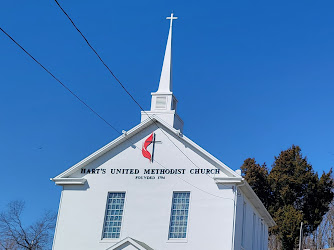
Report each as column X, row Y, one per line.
column 163, row 102
column 165, row 84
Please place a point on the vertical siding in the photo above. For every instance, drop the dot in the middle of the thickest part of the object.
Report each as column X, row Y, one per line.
column 255, row 239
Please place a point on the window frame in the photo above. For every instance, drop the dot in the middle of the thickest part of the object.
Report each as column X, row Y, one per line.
column 162, row 103
column 105, row 217
column 170, row 218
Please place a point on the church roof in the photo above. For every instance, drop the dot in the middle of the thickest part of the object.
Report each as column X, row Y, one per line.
column 63, row 179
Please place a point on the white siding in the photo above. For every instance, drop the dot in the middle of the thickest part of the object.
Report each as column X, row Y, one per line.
column 147, row 203
column 254, row 239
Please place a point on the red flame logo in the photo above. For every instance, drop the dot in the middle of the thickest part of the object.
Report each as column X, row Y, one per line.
column 144, row 151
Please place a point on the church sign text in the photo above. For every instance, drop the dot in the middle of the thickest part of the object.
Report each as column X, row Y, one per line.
column 149, row 173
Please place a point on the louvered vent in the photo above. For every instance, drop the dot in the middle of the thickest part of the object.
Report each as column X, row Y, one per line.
column 161, row 103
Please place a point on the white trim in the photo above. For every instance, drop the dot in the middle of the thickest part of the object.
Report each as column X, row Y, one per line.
column 58, row 215
column 232, row 176
column 254, row 234
column 133, row 132
column 138, row 244
column 179, row 240
column 228, row 180
column 250, row 194
column 69, row 181
column 102, row 239
column 103, row 150
column 235, row 200
column 243, row 224
column 256, row 202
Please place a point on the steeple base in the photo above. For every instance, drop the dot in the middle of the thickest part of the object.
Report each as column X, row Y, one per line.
column 170, row 117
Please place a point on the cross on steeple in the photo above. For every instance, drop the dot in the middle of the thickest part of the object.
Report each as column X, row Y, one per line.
column 163, row 102
column 171, row 17
column 165, row 84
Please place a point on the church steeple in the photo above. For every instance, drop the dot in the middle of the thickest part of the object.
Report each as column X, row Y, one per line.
column 163, row 102
column 165, row 84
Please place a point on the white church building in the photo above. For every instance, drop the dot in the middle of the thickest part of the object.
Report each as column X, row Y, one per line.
column 154, row 188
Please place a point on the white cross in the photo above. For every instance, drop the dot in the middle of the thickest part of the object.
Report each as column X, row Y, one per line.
column 171, row 17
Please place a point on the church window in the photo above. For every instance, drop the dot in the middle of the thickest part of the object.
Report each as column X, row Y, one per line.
column 179, row 215
column 114, row 215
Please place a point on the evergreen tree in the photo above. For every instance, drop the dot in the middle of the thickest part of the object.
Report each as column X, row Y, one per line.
column 294, row 193
column 288, row 221
column 257, row 177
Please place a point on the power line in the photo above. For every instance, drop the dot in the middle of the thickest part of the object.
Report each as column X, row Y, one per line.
column 217, row 196
column 77, row 97
column 61, row 83
column 99, row 56
column 95, row 52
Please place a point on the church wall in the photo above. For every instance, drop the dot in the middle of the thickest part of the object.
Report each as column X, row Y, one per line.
column 255, row 238
column 148, row 202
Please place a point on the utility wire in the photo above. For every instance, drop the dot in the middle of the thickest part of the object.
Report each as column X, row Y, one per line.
column 86, row 40
column 78, row 98
column 105, row 65
column 217, row 196
column 61, row 83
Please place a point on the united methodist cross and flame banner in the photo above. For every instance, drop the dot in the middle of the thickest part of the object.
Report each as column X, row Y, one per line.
column 144, row 150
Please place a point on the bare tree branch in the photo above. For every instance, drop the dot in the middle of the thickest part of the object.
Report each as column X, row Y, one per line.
column 14, row 235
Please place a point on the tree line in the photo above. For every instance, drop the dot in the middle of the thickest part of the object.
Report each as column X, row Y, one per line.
column 293, row 193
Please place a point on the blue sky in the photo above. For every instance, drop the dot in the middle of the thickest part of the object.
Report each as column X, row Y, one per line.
column 252, row 78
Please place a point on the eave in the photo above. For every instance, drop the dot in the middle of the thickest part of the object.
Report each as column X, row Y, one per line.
column 257, row 203
column 228, row 180
column 69, row 181
column 61, row 178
